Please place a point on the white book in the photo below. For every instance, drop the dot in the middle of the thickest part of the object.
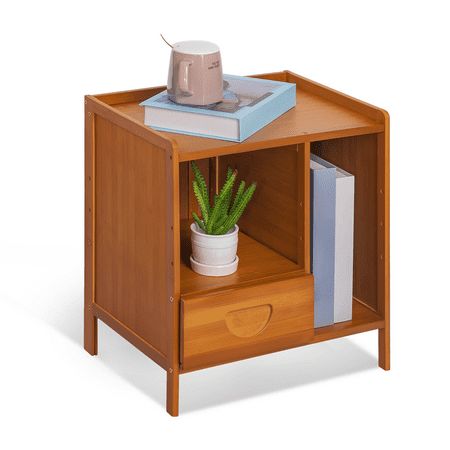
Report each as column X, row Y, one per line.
column 343, row 268
column 323, row 218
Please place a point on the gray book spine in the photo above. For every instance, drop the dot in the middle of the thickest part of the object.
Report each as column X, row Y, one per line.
column 323, row 221
column 343, row 272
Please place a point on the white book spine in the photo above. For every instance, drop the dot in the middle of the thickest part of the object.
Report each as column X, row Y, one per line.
column 343, row 281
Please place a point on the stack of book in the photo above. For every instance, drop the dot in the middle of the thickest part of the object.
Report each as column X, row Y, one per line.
column 332, row 217
column 249, row 104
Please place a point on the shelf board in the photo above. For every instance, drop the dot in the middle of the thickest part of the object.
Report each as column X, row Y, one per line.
column 313, row 118
column 256, row 262
column 363, row 319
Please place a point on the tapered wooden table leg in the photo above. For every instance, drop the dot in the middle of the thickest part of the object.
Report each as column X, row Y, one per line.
column 384, row 349
column 172, row 392
column 90, row 332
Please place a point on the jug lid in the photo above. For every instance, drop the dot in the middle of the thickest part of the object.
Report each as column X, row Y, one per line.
column 196, row 47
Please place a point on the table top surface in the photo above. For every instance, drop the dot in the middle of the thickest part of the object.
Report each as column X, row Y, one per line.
column 316, row 116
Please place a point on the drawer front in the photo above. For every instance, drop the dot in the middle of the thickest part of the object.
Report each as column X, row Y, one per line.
column 222, row 327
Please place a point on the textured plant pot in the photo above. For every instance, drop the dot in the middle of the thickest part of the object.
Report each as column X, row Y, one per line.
column 214, row 250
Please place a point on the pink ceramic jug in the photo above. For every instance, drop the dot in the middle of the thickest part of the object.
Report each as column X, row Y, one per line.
column 195, row 73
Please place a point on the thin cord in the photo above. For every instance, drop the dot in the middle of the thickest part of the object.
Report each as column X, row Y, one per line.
column 171, row 46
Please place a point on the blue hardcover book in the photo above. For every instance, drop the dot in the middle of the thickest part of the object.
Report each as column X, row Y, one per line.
column 323, row 225
column 249, row 104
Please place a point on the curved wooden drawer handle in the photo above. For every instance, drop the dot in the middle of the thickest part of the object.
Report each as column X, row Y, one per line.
column 248, row 322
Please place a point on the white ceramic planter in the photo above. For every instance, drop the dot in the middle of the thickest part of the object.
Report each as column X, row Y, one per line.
column 214, row 271
column 215, row 251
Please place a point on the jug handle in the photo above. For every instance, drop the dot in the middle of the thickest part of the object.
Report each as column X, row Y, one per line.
column 183, row 76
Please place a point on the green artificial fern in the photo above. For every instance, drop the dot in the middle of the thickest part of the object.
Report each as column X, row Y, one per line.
column 225, row 212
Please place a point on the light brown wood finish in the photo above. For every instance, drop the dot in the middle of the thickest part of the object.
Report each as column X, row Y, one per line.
column 271, row 217
column 367, row 157
column 358, row 155
column 173, row 280
column 137, row 269
column 90, row 321
column 228, row 325
column 134, row 95
column 128, row 334
column 131, row 259
column 136, row 127
column 339, row 98
column 303, row 207
column 256, row 262
column 313, row 118
column 383, row 217
column 363, row 319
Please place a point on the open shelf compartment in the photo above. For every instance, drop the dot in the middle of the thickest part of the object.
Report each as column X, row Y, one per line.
column 256, row 262
column 284, row 251
column 273, row 231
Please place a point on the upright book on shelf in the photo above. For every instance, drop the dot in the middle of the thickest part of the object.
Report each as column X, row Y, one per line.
column 332, row 215
column 249, row 104
column 343, row 266
column 323, row 223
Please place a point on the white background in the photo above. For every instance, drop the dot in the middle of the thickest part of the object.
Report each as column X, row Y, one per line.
column 53, row 395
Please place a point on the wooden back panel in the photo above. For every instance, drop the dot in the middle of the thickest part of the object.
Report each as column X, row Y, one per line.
column 272, row 217
column 131, row 232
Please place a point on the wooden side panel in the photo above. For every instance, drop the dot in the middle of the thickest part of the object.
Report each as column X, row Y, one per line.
column 229, row 325
column 173, row 280
column 132, row 258
column 383, row 193
column 358, row 155
column 272, row 216
column 90, row 320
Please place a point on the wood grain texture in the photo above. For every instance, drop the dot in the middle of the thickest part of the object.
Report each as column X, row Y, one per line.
column 134, row 95
column 128, row 334
column 339, row 98
column 172, row 392
column 383, row 217
column 271, row 217
column 131, row 229
column 90, row 321
column 136, row 127
column 358, row 156
column 173, row 280
column 303, row 207
column 242, row 322
column 256, row 262
column 314, row 117
column 137, row 243
column 363, row 319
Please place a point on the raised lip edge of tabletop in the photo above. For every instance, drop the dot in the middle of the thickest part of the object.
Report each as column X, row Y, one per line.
column 103, row 105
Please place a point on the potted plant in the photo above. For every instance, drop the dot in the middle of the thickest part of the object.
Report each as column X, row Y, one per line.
column 214, row 235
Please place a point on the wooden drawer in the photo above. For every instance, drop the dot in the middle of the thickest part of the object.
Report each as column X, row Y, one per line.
column 246, row 321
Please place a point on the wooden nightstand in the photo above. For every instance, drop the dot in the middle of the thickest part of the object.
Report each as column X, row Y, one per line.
column 138, row 206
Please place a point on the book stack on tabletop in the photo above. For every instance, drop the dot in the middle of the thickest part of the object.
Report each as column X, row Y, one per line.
column 248, row 105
